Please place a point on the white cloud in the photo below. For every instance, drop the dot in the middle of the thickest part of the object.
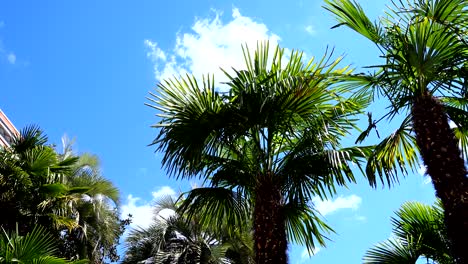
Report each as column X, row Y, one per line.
column 212, row 44
column 154, row 52
column 142, row 211
column 11, row 58
column 162, row 192
column 310, row 29
column 326, row 207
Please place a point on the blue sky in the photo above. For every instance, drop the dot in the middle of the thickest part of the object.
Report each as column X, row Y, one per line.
column 84, row 68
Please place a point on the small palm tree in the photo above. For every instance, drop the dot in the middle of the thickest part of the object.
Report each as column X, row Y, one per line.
column 175, row 239
column 418, row 231
column 424, row 77
column 63, row 192
column 27, row 167
column 268, row 145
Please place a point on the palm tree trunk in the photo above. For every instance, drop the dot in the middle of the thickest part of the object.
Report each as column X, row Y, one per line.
column 269, row 223
column 442, row 157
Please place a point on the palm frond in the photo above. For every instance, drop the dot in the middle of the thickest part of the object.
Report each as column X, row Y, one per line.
column 392, row 251
column 392, row 155
column 352, row 15
column 419, row 231
column 29, row 137
column 37, row 246
column 304, row 226
column 212, row 205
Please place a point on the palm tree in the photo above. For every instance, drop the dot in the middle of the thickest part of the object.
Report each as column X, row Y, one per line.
column 27, row 167
column 418, row 231
column 37, row 246
column 92, row 208
column 424, row 76
column 175, row 239
column 271, row 143
column 63, row 192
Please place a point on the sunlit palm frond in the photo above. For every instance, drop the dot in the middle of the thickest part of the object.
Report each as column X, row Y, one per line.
column 419, row 231
column 448, row 12
column 424, row 222
column 392, row 251
column 351, row 14
column 392, row 155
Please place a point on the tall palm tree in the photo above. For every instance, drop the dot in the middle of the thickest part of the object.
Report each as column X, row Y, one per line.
column 418, row 231
column 424, row 76
column 271, row 143
column 175, row 239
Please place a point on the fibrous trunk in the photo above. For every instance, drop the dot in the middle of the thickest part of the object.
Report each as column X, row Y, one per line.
column 445, row 165
column 269, row 223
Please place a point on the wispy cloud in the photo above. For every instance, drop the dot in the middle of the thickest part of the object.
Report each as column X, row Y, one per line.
column 11, row 57
column 154, row 53
column 310, row 30
column 6, row 54
column 326, row 207
column 212, row 44
column 360, row 218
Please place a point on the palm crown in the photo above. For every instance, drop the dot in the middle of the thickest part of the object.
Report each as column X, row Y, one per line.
column 272, row 142
column 424, row 45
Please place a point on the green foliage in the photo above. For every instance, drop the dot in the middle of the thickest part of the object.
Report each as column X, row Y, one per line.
column 418, row 231
column 35, row 247
column 179, row 239
column 424, row 47
column 281, row 116
column 63, row 192
column 91, row 201
column 27, row 170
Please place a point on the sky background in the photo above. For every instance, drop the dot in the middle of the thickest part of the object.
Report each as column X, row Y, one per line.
column 84, row 68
